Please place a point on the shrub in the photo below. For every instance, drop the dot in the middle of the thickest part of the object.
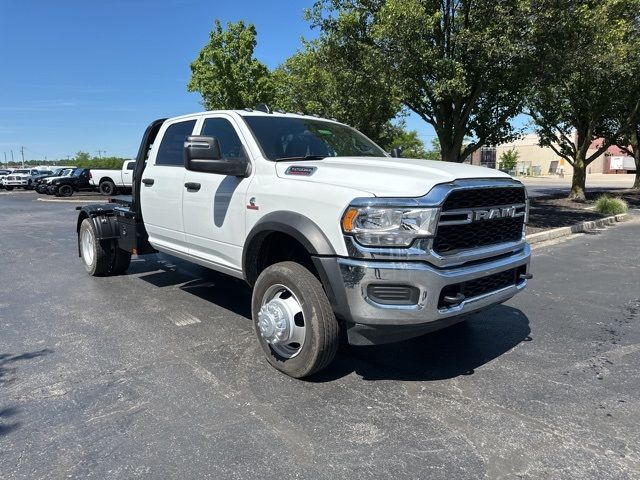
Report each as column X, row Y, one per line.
column 611, row 206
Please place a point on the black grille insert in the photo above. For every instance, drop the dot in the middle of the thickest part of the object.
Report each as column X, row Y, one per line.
column 480, row 286
column 450, row 238
column 484, row 197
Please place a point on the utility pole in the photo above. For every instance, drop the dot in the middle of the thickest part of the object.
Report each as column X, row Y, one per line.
column 22, row 152
column 100, row 152
column 12, row 160
column 5, row 159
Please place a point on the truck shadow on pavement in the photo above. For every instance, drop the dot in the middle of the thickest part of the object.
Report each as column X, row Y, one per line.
column 7, row 376
column 448, row 353
column 441, row 355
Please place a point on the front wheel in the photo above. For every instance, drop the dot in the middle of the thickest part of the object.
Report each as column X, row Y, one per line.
column 8, row 189
column 293, row 320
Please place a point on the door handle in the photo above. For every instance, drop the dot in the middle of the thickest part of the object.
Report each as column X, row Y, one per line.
column 148, row 181
column 192, row 186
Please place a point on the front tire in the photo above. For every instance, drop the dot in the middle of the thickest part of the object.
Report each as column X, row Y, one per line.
column 293, row 320
column 8, row 189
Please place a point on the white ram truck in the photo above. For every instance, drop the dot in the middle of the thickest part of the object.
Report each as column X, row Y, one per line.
column 109, row 181
column 21, row 178
column 332, row 234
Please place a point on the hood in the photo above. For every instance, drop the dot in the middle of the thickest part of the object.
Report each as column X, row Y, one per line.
column 384, row 176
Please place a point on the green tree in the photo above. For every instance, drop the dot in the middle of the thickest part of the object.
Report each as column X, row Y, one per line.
column 81, row 158
column 460, row 65
column 576, row 96
column 408, row 141
column 226, row 73
column 509, row 160
column 630, row 144
column 434, row 152
column 320, row 80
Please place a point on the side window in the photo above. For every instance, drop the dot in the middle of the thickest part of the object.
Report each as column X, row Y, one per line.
column 131, row 165
column 221, row 128
column 171, row 148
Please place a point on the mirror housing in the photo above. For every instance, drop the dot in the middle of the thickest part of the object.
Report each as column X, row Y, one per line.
column 202, row 154
column 396, row 152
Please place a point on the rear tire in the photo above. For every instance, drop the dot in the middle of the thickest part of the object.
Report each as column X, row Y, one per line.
column 96, row 258
column 292, row 284
column 65, row 190
column 121, row 260
column 107, row 187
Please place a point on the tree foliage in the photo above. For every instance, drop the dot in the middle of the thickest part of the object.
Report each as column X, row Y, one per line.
column 509, row 160
column 460, row 65
column 407, row 141
column 585, row 51
column 226, row 73
column 321, row 80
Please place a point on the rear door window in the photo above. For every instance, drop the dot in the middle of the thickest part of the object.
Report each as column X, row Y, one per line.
column 171, row 150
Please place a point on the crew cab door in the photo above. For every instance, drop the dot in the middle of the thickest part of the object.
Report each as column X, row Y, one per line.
column 162, row 184
column 214, row 206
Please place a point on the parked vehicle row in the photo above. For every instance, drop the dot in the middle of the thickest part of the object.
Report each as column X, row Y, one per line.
column 64, row 185
column 64, row 181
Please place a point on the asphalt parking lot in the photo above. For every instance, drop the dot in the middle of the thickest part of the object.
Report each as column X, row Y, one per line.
column 156, row 374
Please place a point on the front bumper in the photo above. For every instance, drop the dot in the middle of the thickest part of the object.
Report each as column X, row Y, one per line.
column 16, row 183
column 350, row 280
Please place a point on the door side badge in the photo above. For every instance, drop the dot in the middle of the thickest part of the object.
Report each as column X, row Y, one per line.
column 300, row 171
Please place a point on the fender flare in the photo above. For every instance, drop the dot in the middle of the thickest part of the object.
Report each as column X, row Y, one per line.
column 104, row 221
column 302, row 228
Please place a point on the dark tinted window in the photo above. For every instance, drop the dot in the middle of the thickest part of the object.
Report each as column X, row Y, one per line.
column 171, row 150
column 230, row 144
column 283, row 137
column 131, row 166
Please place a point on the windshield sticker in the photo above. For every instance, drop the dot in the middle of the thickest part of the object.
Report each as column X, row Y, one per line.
column 300, row 171
column 325, row 132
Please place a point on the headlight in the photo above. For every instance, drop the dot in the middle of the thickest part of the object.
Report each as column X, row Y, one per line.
column 389, row 226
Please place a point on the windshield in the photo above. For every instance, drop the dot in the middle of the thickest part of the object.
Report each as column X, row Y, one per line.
column 296, row 138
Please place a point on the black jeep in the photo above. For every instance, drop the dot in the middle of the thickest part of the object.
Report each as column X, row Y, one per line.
column 65, row 186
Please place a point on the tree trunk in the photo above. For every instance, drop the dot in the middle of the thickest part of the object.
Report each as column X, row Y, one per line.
column 635, row 146
column 579, row 179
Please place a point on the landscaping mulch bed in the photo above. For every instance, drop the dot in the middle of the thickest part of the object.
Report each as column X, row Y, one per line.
column 556, row 211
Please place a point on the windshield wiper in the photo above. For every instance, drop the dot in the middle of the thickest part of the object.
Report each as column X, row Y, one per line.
column 305, row 157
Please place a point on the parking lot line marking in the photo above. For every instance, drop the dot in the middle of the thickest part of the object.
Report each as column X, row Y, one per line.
column 185, row 319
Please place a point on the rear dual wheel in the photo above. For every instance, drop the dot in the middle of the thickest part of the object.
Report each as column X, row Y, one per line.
column 101, row 257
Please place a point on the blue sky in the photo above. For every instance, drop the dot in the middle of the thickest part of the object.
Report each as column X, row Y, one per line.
column 90, row 75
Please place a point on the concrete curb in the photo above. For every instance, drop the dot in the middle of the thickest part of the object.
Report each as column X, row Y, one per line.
column 577, row 228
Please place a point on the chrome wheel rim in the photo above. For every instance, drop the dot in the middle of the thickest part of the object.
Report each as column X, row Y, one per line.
column 281, row 322
column 86, row 243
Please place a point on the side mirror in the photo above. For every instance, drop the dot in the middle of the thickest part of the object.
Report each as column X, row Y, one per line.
column 202, row 154
column 396, row 152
